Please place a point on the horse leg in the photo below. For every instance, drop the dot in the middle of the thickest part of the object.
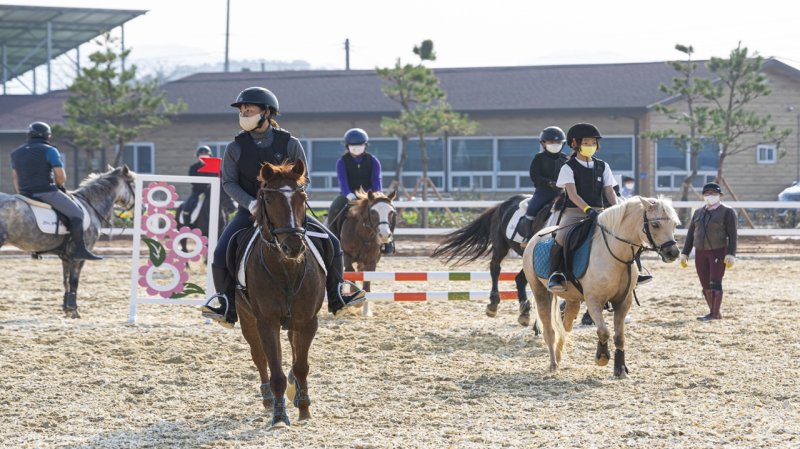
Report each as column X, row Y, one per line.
column 298, row 376
column 269, row 333
column 524, row 318
column 571, row 310
column 595, row 308
column 250, row 333
column 366, row 307
column 620, row 312
column 72, row 272
column 494, row 271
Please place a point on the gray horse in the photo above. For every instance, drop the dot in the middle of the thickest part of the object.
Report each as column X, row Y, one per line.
column 98, row 194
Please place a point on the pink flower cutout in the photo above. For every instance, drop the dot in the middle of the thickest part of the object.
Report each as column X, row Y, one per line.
column 154, row 280
column 194, row 253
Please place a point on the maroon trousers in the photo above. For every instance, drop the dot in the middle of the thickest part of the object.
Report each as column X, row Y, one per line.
column 710, row 267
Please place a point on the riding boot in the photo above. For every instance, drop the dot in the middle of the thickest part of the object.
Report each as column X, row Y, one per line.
column 716, row 302
column 333, row 285
column 642, row 279
column 556, row 281
column 708, row 295
column 80, row 252
column 225, row 313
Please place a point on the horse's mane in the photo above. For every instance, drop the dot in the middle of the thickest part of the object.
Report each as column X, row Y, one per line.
column 286, row 171
column 361, row 205
column 613, row 216
column 103, row 182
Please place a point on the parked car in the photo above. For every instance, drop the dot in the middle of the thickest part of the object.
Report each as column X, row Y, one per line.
column 790, row 216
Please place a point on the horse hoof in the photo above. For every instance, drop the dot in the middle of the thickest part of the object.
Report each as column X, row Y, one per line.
column 491, row 310
column 278, row 425
column 71, row 313
column 602, row 360
column 524, row 320
column 267, row 398
column 304, row 415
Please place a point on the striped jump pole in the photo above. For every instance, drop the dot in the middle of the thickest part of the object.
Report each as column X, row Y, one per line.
column 416, row 276
column 436, row 295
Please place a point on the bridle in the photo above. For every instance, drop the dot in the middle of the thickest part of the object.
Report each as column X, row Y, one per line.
column 653, row 246
column 371, row 225
column 293, row 228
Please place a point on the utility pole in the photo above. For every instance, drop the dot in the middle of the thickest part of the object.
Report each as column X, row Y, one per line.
column 347, row 54
column 227, row 34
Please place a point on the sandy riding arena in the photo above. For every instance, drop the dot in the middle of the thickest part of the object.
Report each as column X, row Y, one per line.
column 431, row 375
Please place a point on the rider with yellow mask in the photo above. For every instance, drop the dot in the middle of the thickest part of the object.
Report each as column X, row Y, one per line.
column 589, row 184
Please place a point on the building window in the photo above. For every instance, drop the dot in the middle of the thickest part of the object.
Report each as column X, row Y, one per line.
column 322, row 155
column 217, row 148
column 673, row 164
column 766, row 154
column 513, row 163
column 471, row 163
column 618, row 153
column 140, row 157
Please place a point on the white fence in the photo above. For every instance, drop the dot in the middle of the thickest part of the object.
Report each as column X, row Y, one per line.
column 487, row 204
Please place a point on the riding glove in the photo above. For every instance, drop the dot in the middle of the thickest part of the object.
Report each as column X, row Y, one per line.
column 591, row 214
column 729, row 260
column 351, row 196
column 684, row 260
column 252, row 207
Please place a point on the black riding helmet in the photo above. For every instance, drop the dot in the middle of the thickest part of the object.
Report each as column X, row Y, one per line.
column 39, row 130
column 205, row 149
column 552, row 133
column 580, row 131
column 258, row 96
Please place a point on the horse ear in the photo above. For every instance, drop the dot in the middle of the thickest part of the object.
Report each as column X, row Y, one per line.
column 125, row 169
column 647, row 203
column 299, row 167
column 392, row 195
column 109, row 167
column 370, row 195
column 266, row 172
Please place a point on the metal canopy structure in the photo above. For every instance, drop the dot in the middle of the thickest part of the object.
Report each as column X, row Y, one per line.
column 31, row 36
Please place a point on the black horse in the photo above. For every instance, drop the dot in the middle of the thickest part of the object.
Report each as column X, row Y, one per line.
column 202, row 219
column 488, row 232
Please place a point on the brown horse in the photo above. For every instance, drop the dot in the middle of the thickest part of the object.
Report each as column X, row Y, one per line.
column 284, row 288
column 366, row 225
column 622, row 231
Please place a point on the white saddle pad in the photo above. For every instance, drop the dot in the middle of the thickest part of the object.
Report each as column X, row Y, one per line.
column 240, row 273
column 195, row 212
column 47, row 220
column 511, row 229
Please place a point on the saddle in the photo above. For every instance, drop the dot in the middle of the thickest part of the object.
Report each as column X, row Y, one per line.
column 49, row 220
column 243, row 241
column 195, row 212
column 576, row 252
column 512, row 233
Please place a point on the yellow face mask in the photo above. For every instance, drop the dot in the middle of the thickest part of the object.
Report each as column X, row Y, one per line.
column 588, row 150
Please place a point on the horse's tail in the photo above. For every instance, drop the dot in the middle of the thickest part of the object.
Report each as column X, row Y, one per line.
column 474, row 240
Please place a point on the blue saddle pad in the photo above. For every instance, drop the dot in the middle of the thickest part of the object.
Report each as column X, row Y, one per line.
column 541, row 258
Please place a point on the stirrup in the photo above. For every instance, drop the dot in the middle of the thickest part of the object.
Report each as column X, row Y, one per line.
column 556, row 282
column 354, row 299
column 217, row 314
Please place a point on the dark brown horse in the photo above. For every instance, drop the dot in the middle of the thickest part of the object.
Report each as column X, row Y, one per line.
column 362, row 229
column 285, row 288
column 486, row 234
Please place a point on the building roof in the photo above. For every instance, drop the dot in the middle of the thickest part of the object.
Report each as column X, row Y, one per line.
column 546, row 89
column 530, row 88
column 23, row 31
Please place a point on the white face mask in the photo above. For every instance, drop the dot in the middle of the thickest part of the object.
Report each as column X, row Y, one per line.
column 628, row 186
column 249, row 123
column 357, row 150
column 711, row 199
column 554, row 147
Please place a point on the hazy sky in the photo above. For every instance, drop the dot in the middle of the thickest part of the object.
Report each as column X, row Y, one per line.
column 466, row 33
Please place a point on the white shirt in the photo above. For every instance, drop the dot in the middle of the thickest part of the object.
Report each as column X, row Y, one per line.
column 565, row 176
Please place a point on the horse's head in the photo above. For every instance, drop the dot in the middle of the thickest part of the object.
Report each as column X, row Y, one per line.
column 379, row 211
column 659, row 220
column 125, row 197
column 280, row 206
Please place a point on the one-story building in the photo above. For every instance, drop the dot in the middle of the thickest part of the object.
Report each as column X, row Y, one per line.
column 510, row 104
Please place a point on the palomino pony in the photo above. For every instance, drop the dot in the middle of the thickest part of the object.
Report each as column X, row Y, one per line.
column 366, row 225
column 97, row 195
column 621, row 233
column 284, row 287
column 488, row 231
